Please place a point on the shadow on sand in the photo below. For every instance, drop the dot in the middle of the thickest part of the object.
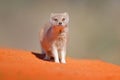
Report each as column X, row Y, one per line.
column 41, row 56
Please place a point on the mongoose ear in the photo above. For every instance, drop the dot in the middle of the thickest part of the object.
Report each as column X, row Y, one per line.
column 52, row 14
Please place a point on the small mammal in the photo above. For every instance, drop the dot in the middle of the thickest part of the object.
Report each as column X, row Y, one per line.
column 53, row 37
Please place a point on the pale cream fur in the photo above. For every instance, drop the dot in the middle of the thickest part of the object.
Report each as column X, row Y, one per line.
column 55, row 47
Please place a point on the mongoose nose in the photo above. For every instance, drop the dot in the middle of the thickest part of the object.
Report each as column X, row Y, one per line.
column 60, row 23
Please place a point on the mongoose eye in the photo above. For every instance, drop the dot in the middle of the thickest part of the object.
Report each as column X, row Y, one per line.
column 63, row 19
column 55, row 19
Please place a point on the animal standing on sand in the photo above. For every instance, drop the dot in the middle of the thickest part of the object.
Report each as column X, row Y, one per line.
column 53, row 37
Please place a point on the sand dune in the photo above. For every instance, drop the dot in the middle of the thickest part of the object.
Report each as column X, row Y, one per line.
column 25, row 65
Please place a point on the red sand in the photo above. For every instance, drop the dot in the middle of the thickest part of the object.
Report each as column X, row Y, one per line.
column 25, row 65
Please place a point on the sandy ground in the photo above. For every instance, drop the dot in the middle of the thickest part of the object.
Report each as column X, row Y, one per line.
column 26, row 65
